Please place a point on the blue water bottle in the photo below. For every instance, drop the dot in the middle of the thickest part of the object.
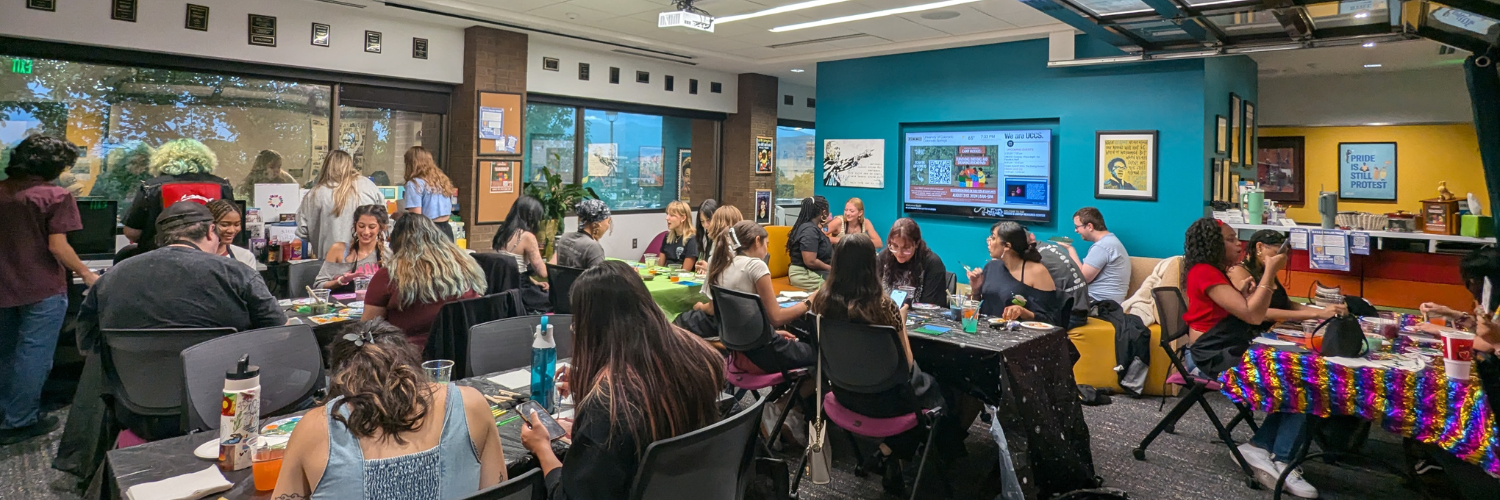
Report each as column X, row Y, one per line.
column 543, row 366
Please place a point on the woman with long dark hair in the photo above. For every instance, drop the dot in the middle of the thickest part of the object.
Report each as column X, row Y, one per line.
column 907, row 261
column 1016, row 285
column 517, row 239
column 425, row 271
column 705, row 242
column 386, row 432
column 1282, row 308
column 345, row 263
column 808, row 246
column 637, row 380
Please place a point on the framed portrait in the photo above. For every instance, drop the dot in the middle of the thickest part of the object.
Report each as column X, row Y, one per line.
column 1125, row 165
column 1221, row 135
column 1216, row 174
column 1367, row 170
column 1250, row 134
column 764, row 152
column 763, row 206
column 1236, row 124
column 1280, row 168
column 684, row 174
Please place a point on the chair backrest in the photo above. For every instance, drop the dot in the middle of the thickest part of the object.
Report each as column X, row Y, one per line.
column 704, row 464
column 654, row 247
column 501, row 272
column 952, row 281
column 143, row 368
column 743, row 322
column 302, row 274
column 560, row 281
column 1170, row 307
column 862, row 358
column 291, row 371
column 528, row 486
column 505, row 344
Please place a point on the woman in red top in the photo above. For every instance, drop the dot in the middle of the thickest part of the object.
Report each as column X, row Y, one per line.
column 1211, row 247
column 424, row 271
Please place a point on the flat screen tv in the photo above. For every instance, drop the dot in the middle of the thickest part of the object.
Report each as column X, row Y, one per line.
column 997, row 174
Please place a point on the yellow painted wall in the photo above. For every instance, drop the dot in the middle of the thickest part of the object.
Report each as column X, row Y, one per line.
column 1425, row 155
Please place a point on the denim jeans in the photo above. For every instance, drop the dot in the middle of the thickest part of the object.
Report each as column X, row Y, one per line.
column 1279, row 434
column 28, row 337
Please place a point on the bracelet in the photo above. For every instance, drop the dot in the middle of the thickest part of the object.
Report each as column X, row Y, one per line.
column 1265, row 287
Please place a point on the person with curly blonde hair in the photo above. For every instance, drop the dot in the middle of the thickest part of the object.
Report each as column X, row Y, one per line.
column 183, row 170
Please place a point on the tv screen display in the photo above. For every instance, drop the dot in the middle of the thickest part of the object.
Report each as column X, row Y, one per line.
column 97, row 238
column 1000, row 174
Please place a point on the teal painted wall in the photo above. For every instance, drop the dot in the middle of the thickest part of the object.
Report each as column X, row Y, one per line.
column 876, row 97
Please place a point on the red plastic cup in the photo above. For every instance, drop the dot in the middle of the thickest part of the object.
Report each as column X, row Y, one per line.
column 1458, row 346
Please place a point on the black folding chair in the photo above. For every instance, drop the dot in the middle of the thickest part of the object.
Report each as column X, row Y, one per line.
column 1169, row 309
column 291, row 372
column 744, row 326
column 505, row 344
column 559, row 282
column 706, row 464
column 952, row 281
column 302, row 274
column 143, row 375
column 528, row 486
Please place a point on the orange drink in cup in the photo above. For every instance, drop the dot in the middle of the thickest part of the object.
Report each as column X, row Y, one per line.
column 265, row 464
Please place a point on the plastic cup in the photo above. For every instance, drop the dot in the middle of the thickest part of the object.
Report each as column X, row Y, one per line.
column 911, row 294
column 650, row 259
column 439, row 371
column 361, row 287
column 265, row 465
column 971, row 316
column 956, row 305
column 1457, row 370
column 1458, row 346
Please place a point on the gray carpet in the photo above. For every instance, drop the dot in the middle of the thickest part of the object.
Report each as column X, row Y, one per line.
column 1187, row 465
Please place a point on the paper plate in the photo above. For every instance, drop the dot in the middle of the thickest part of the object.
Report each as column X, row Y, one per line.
column 925, row 307
column 281, row 427
column 794, row 295
column 207, row 451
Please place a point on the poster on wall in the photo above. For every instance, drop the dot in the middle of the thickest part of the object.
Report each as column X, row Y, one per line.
column 1250, row 135
column 1279, row 169
column 763, row 154
column 499, row 123
column 684, row 174
column 1125, row 165
column 602, row 159
column 1221, row 144
column 502, row 177
column 1329, row 250
column 763, row 206
column 651, row 174
column 1367, row 170
column 854, row 163
column 1236, row 124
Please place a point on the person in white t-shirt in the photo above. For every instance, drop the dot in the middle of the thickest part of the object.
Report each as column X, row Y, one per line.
column 739, row 264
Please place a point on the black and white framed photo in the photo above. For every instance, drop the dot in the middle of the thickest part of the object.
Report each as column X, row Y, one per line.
column 197, row 18
column 322, row 34
column 372, row 42
column 1125, row 165
column 262, row 30
column 1236, row 124
column 1221, row 134
column 47, row 5
column 123, row 10
column 419, row 48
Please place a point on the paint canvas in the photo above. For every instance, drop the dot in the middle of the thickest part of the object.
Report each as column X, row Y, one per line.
column 854, row 163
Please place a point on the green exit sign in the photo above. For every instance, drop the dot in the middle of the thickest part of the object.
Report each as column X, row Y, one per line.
column 22, row 66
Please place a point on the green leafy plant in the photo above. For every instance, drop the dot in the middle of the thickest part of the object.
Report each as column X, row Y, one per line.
column 556, row 199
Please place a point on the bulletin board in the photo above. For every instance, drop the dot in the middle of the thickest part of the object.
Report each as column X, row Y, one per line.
column 497, row 184
column 499, row 123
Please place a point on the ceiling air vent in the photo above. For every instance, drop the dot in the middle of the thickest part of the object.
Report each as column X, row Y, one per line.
column 819, row 40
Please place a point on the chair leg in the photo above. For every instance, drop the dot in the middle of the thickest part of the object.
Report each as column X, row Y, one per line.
column 1193, row 396
column 1249, row 417
column 916, row 484
column 1224, row 435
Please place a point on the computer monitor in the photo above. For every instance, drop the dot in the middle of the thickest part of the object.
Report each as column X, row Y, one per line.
column 96, row 241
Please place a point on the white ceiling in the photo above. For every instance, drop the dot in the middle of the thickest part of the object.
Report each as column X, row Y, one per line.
column 746, row 46
column 1408, row 55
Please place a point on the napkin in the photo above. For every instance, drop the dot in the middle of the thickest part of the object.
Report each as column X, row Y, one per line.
column 184, row 487
column 518, row 379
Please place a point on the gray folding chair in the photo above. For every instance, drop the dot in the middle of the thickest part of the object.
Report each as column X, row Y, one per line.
column 505, row 344
column 302, row 274
column 291, row 372
column 706, row 464
column 528, row 486
column 142, row 373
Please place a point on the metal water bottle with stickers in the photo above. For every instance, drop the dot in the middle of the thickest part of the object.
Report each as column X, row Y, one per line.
column 239, row 416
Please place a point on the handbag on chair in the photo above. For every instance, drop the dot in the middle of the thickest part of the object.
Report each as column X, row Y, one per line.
column 820, row 457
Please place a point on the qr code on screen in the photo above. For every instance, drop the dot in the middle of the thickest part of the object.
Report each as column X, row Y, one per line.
column 940, row 172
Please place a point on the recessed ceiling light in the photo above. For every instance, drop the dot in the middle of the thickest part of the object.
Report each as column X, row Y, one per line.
column 940, row 15
column 1372, row 65
column 871, row 15
column 1377, row 124
column 798, row 70
column 777, row 10
column 1362, row 15
column 1368, row 45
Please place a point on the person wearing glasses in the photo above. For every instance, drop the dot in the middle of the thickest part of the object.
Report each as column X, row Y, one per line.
column 1107, row 266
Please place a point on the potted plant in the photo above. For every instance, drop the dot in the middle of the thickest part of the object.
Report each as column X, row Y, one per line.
column 556, row 198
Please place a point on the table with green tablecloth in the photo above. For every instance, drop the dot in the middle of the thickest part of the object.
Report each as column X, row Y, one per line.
column 673, row 298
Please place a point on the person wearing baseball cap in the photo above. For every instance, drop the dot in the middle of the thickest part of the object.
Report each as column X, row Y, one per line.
column 183, row 283
column 582, row 249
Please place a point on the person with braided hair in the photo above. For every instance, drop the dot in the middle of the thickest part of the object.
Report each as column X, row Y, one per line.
column 227, row 222
column 809, row 247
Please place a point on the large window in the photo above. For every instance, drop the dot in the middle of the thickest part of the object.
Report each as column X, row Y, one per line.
column 378, row 140
column 795, row 149
column 630, row 159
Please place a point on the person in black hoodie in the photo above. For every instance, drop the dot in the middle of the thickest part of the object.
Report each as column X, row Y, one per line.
column 184, row 170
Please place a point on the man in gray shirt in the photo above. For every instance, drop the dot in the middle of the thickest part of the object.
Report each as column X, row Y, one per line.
column 1107, row 266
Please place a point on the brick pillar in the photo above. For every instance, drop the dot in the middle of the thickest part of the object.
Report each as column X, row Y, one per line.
column 756, row 116
column 704, row 183
column 494, row 61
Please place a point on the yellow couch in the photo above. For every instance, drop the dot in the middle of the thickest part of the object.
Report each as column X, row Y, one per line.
column 1096, row 343
column 780, row 261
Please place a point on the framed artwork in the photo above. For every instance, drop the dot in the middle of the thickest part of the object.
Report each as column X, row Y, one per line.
column 1280, row 167
column 1234, row 189
column 1125, row 165
column 1367, row 170
column 763, row 206
column 499, row 123
column 650, row 173
column 684, row 174
column 1250, row 134
column 1236, row 123
column 764, row 152
column 372, row 41
column 1221, row 135
column 854, row 163
column 1216, row 173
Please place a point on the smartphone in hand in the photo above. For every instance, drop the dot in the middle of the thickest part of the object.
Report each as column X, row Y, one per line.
column 554, row 430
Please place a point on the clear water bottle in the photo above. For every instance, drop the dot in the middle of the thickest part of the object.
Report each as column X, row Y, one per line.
column 543, row 366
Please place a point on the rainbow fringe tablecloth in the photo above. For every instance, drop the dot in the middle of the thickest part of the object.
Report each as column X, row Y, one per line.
column 1423, row 405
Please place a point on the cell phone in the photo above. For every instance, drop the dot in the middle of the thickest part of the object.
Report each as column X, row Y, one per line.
column 554, row 430
column 898, row 296
column 1061, row 239
column 1286, row 246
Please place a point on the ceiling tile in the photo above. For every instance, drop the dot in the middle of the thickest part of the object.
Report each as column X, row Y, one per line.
column 895, row 29
column 969, row 21
column 1014, row 12
column 623, row 7
column 571, row 13
column 511, row 5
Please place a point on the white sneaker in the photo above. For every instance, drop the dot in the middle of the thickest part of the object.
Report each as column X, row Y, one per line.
column 1259, row 460
column 1294, row 482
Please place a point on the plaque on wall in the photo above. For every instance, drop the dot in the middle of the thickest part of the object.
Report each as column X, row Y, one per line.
column 418, row 48
column 551, row 64
column 322, row 34
column 197, row 17
column 47, row 5
column 262, row 30
column 583, row 71
column 372, row 41
column 123, row 10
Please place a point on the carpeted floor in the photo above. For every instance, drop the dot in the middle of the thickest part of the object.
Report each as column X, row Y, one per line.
column 1187, row 465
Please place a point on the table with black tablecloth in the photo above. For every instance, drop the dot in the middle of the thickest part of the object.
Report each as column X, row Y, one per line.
column 1028, row 377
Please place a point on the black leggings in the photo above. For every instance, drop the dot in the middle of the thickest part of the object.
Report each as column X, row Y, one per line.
column 446, row 228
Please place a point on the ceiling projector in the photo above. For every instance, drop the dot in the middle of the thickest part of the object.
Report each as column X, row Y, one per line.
column 686, row 16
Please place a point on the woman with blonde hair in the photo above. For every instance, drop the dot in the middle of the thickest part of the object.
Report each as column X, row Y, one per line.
column 227, row 223
column 424, row 271
column 853, row 221
column 265, row 170
column 681, row 245
column 327, row 211
column 428, row 190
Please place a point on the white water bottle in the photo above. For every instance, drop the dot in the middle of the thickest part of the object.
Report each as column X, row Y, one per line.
column 239, row 418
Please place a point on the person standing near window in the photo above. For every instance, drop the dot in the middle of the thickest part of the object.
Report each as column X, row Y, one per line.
column 127, row 167
column 853, row 221
column 681, row 245
column 35, row 217
column 265, row 170
column 227, row 223
column 809, row 248
column 184, row 171
column 581, row 249
column 428, row 190
column 327, row 212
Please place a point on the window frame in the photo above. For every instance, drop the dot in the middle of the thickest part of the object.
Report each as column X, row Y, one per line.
column 787, row 122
